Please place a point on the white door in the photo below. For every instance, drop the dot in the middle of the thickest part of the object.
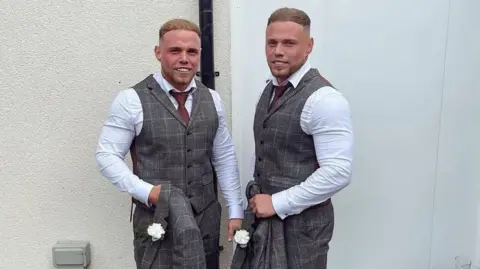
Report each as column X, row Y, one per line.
column 456, row 222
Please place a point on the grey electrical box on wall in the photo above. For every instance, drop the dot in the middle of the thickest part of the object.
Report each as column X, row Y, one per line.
column 69, row 254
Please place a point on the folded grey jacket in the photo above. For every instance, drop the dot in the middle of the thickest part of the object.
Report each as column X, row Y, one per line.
column 266, row 248
column 182, row 245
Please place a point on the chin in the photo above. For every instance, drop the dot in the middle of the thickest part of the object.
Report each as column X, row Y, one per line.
column 184, row 78
column 280, row 73
column 183, row 81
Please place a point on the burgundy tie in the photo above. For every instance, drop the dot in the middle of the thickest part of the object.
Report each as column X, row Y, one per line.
column 279, row 91
column 181, row 98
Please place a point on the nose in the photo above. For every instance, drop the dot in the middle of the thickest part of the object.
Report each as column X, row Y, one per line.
column 278, row 50
column 183, row 58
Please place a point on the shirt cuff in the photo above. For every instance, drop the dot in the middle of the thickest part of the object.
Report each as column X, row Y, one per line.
column 142, row 191
column 235, row 212
column 280, row 204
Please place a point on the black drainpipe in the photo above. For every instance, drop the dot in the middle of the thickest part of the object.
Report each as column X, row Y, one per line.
column 207, row 67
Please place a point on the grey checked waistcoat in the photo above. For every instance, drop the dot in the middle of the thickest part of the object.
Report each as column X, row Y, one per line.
column 177, row 156
column 167, row 149
column 285, row 153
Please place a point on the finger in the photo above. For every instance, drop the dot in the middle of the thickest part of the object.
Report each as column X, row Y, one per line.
column 230, row 233
column 258, row 212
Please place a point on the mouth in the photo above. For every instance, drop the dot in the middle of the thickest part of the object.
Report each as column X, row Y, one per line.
column 183, row 69
column 279, row 63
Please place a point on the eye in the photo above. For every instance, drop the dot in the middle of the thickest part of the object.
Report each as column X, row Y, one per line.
column 272, row 43
column 193, row 52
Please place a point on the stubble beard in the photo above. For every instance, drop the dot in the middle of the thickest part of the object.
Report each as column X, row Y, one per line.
column 283, row 73
column 178, row 80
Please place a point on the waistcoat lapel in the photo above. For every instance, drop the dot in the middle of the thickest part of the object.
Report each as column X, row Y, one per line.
column 197, row 98
column 291, row 92
column 163, row 98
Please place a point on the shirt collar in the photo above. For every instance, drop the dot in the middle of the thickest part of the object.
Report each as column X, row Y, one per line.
column 295, row 78
column 166, row 86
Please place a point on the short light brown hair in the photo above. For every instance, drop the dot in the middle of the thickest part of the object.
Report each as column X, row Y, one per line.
column 178, row 24
column 290, row 14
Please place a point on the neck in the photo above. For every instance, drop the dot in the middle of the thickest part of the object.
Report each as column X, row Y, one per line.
column 281, row 80
column 181, row 88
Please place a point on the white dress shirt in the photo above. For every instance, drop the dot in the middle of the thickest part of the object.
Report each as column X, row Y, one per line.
column 326, row 117
column 124, row 123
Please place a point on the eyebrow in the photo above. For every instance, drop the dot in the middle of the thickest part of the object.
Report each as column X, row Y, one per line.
column 179, row 48
column 283, row 40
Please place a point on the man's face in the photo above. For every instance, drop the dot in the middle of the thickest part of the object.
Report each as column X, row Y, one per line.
column 287, row 47
column 179, row 55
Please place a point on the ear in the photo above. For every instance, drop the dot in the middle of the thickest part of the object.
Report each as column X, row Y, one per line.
column 158, row 53
column 310, row 45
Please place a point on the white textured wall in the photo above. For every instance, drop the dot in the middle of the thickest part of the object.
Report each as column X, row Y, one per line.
column 61, row 64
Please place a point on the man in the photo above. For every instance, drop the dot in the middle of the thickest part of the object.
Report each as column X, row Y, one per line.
column 303, row 147
column 175, row 128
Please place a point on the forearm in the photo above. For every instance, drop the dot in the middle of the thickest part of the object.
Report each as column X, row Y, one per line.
column 225, row 163
column 119, row 174
column 226, row 167
column 318, row 187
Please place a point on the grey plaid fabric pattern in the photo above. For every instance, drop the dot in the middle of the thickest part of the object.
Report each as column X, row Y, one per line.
column 266, row 249
column 285, row 154
column 182, row 245
column 277, row 244
column 285, row 158
column 168, row 150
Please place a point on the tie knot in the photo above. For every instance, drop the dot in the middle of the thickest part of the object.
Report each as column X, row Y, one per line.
column 280, row 90
column 181, row 97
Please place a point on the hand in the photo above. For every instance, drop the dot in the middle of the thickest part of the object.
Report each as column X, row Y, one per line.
column 233, row 226
column 262, row 206
column 154, row 195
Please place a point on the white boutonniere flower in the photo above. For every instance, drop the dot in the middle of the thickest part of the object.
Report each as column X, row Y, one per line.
column 242, row 237
column 156, row 231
